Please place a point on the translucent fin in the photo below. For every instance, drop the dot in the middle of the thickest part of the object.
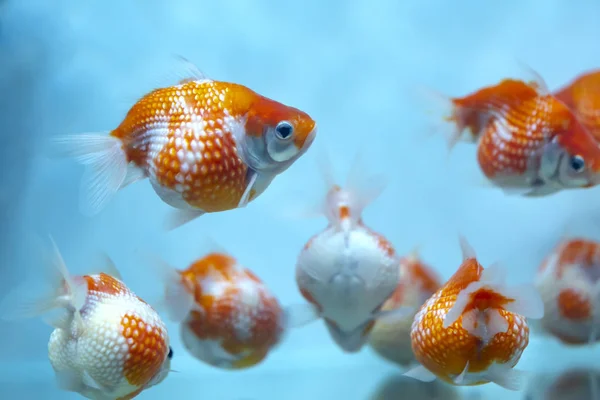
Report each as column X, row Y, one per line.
column 106, row 265
column 362, row 187
column 186, row 70
column 177, row 300
column 484, row 324
column 61, row 320
column 506, row 377
column 420, row 373
column 527, row 301
column 466, row 249
column 395, row 315
column 90, row 382
column 134, row 174
column 457, row 309
column 461, row 377
column 531, row 76
column 179, row 217
column 253, row 175
column 27, row 300
column 298, row 315
column 106, row 166
column 442, row 111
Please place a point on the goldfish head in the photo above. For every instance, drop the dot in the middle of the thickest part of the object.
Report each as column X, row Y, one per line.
column 572, row 158
column 276, row 135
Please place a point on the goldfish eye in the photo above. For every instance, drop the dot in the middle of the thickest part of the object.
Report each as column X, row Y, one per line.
column 170, row 353
column 284, row 130
column 577, row 163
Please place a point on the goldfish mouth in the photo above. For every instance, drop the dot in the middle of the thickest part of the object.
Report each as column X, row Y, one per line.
column 309, row 139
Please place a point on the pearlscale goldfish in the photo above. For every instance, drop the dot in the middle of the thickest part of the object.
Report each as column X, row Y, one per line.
column 418, row 282
column 582, row 95
column 206, row 146
column 528, row 142
column 569, row 282
column 348, row 270
column 473, row 330
column 107, row 342
column 228, row 317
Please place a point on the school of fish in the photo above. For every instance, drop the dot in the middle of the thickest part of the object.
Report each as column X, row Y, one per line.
column 208, row 146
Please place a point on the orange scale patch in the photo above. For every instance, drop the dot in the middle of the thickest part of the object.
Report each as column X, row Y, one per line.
column 147, row 350
column 104, row 283
column 574, row 306
column 215, row 322
column 267, row 327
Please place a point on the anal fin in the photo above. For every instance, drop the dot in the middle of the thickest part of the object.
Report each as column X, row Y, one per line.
column 180, row 217
column 420, row 373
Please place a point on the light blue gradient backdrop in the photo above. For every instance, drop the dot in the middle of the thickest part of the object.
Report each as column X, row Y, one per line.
column 70, row 66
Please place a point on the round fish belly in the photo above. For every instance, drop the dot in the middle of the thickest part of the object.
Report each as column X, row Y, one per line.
column 235, row 323
column 183, row 137
column 123, row 347
column 347, row 277
column 570, row 314
column 446, row 351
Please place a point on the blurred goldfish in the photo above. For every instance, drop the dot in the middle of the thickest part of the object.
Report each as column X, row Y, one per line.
column 107, row 342
column 229, row 317
column 206, row 146
column 473, row 330
column 582, row 95
column 348, row 270
column 418, row 282
column 569, row 283
column 528, row 142
column 578, row 383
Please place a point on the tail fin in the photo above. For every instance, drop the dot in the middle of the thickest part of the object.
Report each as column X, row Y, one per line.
column 106, row 167
column 177, row 300
column 444, row 115
column 59, row 291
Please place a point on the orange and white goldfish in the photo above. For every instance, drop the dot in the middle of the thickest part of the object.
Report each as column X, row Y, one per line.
column 107, row 342
column 569, row 283
column 582, row 95
column 418, row 282
column 228, row 317
column 474, row 329
column 528, row 142
column 206, row 146
column 348, row 270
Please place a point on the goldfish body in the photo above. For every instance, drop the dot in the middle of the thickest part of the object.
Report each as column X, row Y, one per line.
column 418, row 282
column 107, row 342
column 582, row 95
column 348, row 270
column 206, row 146
column 569, row 282
column 528, row 142
column 473, row 330
column 229, row 318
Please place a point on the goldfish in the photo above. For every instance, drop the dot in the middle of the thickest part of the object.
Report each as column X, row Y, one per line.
column 205, row 145
column 528, row 142
column 418, row 282
column 582, row 95
column 228, row 317
column 107, row 343
column 568, row 280
column 348, row 270
column 474, row 329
